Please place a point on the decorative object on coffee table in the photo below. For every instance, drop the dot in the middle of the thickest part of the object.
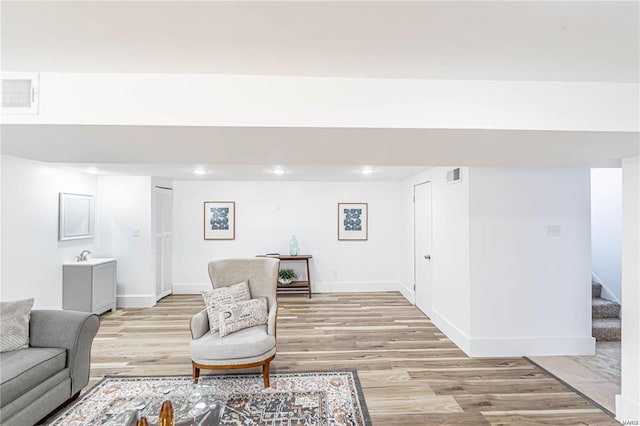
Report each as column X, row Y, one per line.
column 166, row 414
column 285, row 276
column 330, row 397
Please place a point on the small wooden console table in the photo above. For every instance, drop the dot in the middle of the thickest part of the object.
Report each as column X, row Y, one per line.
column 295, row 286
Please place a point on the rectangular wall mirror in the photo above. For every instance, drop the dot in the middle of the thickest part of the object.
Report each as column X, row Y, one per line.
column 76, row 216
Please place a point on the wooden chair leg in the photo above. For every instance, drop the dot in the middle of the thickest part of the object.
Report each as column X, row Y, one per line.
column 265, row 374
column 196, row 372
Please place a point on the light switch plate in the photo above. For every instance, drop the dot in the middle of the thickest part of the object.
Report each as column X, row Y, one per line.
column 553, row 230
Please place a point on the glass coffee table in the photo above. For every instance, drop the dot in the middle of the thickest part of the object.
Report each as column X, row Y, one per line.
column 203, row 409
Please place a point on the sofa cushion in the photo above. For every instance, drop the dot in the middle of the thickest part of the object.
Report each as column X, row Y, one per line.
column 24, row 369
column 247, row 343
column 14, row 324
column 36, row 403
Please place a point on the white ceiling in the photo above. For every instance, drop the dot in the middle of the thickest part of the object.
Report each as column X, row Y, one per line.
column 555, row 40
column 561, row 41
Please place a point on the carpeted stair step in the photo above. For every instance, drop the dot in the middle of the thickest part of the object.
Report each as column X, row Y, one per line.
column 607, row 329
column 604, row 308
column 596, row 290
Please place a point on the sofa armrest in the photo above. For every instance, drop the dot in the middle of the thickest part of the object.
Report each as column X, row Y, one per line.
column 71, row 330
column 272, row 319
column 199, row 324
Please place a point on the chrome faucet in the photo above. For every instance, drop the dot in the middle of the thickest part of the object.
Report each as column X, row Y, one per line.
column 83, row 255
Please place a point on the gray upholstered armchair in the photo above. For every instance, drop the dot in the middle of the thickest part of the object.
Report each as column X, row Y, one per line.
column 252, row 347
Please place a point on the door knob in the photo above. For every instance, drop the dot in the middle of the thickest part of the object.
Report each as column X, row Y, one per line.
column 427, row 256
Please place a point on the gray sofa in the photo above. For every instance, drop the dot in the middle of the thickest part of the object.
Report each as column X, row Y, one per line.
column 54, row 368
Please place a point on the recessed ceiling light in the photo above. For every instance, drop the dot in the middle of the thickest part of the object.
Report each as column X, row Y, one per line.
column 278, row 171
column 93, row 170
column 366, row 171
column 200, row 172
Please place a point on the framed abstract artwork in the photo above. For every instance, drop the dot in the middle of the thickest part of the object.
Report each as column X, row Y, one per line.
column 219, row 220
column 353, row 221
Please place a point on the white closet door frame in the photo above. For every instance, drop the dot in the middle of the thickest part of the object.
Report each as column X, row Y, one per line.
column 423, row 271
column 163, row 241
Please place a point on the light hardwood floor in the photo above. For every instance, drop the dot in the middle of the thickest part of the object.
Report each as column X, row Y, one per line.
column 410, row 372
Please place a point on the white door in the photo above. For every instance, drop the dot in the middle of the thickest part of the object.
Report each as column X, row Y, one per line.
column 422, row 246
column 164, row 223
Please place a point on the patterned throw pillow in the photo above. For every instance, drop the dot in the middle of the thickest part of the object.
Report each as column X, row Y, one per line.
column 222, row 296
column 243, row 315
column 14, row 324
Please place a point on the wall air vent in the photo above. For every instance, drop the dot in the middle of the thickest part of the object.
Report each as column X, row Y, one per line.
column 454, row 175
column 20, row 93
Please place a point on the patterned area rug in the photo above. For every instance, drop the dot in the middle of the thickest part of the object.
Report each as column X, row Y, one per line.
column 312, row 398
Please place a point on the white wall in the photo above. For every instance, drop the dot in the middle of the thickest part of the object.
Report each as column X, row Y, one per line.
column 1, row 213
column 449, row 254
column 125, row 233
column 606, row 230
column 32, row 257
column 501, row 286
column 628, row 402
column 268, row 213
column 530, row 291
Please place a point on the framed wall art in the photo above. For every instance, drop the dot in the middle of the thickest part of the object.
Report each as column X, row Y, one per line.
column 219, row 220
column 353, row 221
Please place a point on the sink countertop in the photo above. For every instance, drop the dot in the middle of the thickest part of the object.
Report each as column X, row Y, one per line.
column 90, row 261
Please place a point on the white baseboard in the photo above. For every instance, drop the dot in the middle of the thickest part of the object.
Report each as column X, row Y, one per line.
column 499, row 347
column 190, row 288
column 325, row 287
column 354, row 286
column 533, row 346
column 627, row 411
column 135, row 301
column 407, row 292
column 456, row 335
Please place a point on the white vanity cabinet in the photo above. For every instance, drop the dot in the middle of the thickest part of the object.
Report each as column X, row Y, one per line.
column 89, row 286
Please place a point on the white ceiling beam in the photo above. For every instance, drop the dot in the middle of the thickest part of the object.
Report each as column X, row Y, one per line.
column 250, row 101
